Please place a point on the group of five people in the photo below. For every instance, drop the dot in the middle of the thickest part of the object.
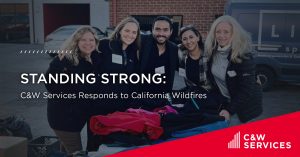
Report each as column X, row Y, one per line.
column 223, row 68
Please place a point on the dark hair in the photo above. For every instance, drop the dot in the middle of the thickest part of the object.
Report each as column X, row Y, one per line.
column 163, row 18
column 197, row 33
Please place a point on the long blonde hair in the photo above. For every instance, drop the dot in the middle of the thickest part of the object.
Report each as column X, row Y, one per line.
column 240, row 44
column 70, row 46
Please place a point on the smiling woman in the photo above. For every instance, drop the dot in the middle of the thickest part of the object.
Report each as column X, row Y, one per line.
column 192, row 57
column 68, row 116
column 232, row 68
column 128, row 34
column 120, row 57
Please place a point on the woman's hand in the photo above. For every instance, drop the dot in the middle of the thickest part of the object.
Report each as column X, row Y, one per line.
column 225, row 114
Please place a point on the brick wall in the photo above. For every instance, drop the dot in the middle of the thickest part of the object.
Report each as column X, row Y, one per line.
column 200, row 13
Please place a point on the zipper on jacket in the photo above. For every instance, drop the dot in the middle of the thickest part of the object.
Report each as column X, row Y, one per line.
column 124, row 58
column 220, row 107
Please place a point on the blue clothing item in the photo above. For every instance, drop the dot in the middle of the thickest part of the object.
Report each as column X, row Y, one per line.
column 195, row 131
column 201, row 129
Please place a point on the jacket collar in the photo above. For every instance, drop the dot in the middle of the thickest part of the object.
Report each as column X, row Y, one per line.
column 116, row 46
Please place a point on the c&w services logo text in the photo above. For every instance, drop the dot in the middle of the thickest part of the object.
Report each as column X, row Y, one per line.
column 256, row 141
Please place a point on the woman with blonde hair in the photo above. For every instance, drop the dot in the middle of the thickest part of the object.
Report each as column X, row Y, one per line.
column 67, row 115
column 231, row 69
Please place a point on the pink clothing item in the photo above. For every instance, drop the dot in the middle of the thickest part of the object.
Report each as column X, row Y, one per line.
column 134, row 121
column 165, row 110
column 131, row 110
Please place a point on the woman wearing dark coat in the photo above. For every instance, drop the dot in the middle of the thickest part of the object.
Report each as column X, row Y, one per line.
column 68, row 115
column 193, row 68
column 231, row 69
column 119, row 56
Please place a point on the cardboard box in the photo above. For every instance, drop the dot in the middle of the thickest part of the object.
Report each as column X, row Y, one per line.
column 43, row 146
column 13, row 146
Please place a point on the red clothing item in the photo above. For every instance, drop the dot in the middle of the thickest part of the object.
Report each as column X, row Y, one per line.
column 133, row 122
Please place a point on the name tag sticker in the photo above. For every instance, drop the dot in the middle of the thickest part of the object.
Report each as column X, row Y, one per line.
column 231, row 73
column 182, row 72
column 160, row 70
column 117, row 59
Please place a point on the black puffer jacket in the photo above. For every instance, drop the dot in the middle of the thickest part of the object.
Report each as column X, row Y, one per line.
column 245, row 92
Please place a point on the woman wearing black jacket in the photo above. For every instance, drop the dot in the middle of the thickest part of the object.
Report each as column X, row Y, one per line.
column 231, row 69
column 119, row 56
column 193, row 68
column 68, row 115
column 192, row 60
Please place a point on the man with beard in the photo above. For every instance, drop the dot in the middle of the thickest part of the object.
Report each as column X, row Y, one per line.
column 159, row 55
